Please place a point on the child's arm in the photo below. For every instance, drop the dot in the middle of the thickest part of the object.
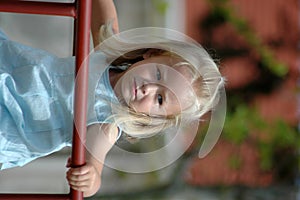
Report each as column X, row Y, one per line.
column 87, row 178
column 102, row 12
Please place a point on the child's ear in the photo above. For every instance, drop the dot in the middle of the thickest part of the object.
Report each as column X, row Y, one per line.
column 152, row 52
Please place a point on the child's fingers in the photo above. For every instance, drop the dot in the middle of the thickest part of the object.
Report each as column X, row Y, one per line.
column 80, row 170
column 79, row 184
column 78, row 178
column 82, row 178
column 80, row 188
column 69, row 162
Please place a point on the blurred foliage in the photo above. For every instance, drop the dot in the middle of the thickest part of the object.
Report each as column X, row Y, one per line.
column 236, row 127
column 235, row 162
column 243, row 122
column 246, row 124
column 222, row 12
column 161, row 6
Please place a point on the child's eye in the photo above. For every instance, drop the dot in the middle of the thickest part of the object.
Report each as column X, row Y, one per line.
column 158, row 74
column 160, row 99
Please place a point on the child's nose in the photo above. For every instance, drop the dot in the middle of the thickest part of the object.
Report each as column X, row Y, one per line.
column 149, row 88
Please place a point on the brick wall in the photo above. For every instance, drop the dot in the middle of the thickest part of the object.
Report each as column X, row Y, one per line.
column 276, row 23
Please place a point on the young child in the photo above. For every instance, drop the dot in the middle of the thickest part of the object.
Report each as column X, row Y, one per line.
column 140, row 84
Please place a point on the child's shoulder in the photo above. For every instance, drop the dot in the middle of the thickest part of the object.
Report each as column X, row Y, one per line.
column 111, row 131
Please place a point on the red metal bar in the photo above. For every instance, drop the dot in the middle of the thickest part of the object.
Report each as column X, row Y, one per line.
column 74, row 36
column 34, row 196
column 34, row 7
column 83, row 27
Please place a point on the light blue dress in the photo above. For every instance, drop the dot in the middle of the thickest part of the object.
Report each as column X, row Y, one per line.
column 36, row 101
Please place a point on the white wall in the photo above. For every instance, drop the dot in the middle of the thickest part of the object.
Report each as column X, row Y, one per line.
column 139, row 13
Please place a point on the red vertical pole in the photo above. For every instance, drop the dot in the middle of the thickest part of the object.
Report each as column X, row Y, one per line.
column 83, row 26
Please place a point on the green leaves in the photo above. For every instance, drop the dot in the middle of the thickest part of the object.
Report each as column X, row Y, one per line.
column 222, row 12
column 244, row 123
column 236, row 128
column 161, row 6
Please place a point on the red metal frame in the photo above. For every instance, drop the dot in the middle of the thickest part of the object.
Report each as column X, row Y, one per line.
column 80, row 10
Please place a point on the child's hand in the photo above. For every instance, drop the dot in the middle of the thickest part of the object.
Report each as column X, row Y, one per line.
column 85, row 179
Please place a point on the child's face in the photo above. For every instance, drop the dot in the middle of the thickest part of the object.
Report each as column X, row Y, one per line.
column 153, row 87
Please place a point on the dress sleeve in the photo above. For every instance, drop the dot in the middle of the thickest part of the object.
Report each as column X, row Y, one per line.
column 3, row 36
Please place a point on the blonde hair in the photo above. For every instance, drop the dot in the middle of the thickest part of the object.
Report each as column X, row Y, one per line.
column 206, row 79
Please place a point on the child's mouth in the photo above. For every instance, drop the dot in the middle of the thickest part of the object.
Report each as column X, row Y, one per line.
column 134, row 89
